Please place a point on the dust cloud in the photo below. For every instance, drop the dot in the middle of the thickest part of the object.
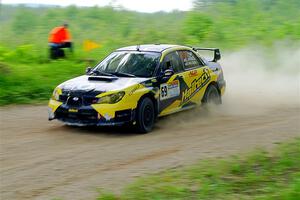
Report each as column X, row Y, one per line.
column 259, row 79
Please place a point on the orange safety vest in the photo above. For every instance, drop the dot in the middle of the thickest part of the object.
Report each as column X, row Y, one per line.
column 59, row 35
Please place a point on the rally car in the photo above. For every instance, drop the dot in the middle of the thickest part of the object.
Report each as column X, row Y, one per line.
column 136, row 84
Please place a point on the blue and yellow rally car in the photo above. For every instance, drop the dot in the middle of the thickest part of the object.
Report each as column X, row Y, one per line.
column 137, row 84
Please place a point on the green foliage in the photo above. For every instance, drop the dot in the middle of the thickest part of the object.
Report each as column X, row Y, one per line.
column 198, row 25
column 260, row 175
column 23, row 83
column 22, row 54
column 238, row 23
column 222, row 23
column 24, row 21
column 213, row 23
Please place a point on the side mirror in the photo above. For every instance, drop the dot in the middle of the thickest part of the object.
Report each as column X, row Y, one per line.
column 168, row 73
column 88, row 70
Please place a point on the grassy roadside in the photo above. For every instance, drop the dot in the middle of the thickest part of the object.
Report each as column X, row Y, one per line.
column 29, row 83
column 259, row 175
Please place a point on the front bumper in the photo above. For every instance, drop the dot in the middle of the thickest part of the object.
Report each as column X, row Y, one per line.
column 88, row 116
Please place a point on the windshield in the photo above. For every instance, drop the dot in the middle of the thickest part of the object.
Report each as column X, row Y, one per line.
column 141, row 64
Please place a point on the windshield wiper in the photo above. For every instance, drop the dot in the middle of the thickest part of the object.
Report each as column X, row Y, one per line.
column 97, row 73
column 123, row 74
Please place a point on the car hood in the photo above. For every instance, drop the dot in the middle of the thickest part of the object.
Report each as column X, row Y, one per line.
column 99, row 84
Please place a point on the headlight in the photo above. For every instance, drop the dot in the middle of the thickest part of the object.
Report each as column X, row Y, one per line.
column 56, row 93
column 111, row 98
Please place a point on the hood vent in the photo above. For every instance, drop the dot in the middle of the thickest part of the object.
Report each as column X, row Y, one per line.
column 102, row 78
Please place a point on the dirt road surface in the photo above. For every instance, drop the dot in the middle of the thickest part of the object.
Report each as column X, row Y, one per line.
column 45, row 160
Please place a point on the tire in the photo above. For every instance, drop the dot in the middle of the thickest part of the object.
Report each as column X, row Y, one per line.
column 212, row 96
column 145, row 116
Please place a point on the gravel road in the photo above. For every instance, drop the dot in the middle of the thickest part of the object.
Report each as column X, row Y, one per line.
column 43, row 160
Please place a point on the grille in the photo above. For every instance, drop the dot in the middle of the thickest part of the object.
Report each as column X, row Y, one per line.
column 74, row 101
column 85, row 98
column 81, row 115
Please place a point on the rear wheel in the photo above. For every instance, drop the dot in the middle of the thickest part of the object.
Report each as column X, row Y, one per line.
column 145, row 115
column 212, row 96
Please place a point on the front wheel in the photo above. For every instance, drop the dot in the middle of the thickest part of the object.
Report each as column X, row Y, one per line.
column 145, row 116
column 212, row 96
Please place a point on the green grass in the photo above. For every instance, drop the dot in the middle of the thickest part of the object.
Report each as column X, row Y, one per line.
column 27, row 75
column 260, row 175
column 28, row 83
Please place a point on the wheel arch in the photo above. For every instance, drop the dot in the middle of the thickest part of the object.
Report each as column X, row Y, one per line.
column 214, row 83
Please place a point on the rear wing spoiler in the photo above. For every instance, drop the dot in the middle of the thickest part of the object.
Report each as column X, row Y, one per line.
column 217, row 54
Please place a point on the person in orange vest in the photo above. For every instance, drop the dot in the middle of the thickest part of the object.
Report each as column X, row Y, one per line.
column 59, row 38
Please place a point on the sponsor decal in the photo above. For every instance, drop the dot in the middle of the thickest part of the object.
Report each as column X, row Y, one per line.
column 73, row 110
column 134, row 89
column 196, row 85
column 169, row 90
column 193, row 73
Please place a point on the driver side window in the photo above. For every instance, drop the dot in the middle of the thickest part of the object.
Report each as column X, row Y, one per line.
column 172, row 61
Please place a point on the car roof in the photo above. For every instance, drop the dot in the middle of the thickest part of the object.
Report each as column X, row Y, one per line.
column 150, row 47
